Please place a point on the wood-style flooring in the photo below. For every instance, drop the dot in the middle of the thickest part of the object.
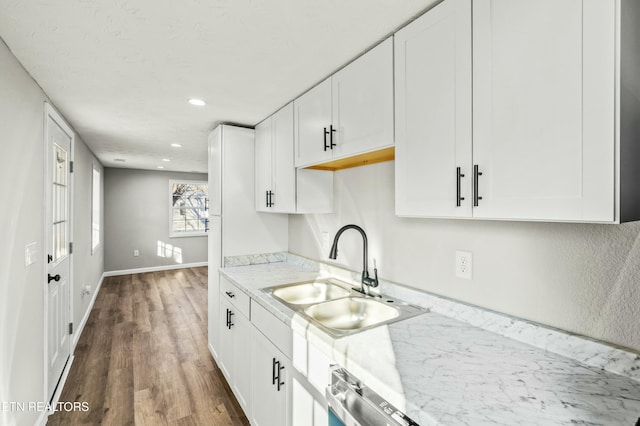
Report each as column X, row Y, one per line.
column 143, row 358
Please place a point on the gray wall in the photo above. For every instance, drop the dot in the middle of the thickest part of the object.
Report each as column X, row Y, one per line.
column 22, row 290
column 137, row 218
column 87, row 267
column 578, row 277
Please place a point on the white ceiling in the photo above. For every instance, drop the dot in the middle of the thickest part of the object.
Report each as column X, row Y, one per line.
column 121, row 71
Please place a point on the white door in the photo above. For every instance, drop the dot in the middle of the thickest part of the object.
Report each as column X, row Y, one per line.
column 58, row 230
column 433, row 113
column 543, row 95
column 284, row 172
column 264, row 166
column 362, row 96
column 312, row 125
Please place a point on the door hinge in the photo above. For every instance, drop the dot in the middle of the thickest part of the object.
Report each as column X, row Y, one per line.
column 70, row 166
column 70, row 328
column 70, row 248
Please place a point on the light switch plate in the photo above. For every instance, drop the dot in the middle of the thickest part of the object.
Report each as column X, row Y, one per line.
column 30, row 253
column 464, row 264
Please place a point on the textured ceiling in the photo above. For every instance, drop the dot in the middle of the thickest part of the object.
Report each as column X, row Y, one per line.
column 122, row 71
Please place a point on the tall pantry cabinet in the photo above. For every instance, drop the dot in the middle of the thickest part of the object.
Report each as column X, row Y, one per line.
column 235, row 228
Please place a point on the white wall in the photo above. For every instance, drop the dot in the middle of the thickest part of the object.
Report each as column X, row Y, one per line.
column 22, row 217
column 137, row 218
column 578, row 277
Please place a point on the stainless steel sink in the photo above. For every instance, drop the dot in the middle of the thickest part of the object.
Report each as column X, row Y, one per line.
column 310, row 292
column 351, row 313
column 338, row 309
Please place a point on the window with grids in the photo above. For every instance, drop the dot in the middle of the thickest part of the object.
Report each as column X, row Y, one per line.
column 189, row 212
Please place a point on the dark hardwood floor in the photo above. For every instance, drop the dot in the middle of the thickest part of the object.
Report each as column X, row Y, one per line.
column 143, row 359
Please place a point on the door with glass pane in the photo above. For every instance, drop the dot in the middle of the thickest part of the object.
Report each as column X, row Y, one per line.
column 58, row 179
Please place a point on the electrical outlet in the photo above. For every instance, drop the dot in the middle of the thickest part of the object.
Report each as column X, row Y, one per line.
column 464, row 264
column 86, row 290
column 136, row 253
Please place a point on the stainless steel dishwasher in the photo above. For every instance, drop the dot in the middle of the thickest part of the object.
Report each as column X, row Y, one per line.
column 353, row 404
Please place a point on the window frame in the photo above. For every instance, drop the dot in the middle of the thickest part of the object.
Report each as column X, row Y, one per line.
column 174, row 234
column 96, row 194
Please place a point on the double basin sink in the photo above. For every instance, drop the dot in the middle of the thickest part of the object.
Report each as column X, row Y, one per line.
column 338, row 309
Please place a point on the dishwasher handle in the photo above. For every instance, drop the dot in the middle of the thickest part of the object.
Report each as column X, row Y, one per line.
column 356, row 405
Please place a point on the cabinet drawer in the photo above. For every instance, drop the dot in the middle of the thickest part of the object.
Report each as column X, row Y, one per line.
column 275, row 330
column 231, row 293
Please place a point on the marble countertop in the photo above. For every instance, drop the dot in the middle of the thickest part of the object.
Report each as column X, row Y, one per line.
column 443, row 371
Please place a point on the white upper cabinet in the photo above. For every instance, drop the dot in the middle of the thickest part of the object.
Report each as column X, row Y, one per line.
column 538, row 140
column 362, row 95
column 433, row 113
column 215, row 171
column 349, row 113
column 280, row 188
column 275, row 172
column 543, row 123
column 312, row 125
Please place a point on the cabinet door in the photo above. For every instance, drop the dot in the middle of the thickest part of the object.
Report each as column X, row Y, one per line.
column 284, row 171
column 263, row 164
column 226, row 341
column 241, row 373
column 270, row 402
column 363, row 102
column 433, row 113
column 215, row 172
column 543, row 78
column 312, row 115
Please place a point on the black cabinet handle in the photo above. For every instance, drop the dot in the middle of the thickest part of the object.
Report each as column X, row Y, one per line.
column 227, row 324
column 267, row 198
column 459, row 177
column 273, row 371
column 269, row 202
column 476, row 174
column 329, row 132
column 280, row 368
column 325, row 138
column 230, row 321
column 55, row 278
column 230, row 294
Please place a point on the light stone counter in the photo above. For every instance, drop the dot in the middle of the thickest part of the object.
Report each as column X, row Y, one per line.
column 441, row 370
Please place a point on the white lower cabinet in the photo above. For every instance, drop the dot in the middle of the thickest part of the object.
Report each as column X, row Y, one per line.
column 271, row 387
column 235, row 356
column 278, row 377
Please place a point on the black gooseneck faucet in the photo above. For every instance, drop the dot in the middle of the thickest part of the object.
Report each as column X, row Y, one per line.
column 367, row 281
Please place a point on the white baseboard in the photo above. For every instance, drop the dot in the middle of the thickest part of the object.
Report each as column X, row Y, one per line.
column 44, row 415
column 78, row 331
column 213, row 352
column 42, row 419
column 154, row 269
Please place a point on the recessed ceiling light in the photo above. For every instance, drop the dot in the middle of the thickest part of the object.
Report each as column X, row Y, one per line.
column 176, row 145
column 119, row 160
column 166, row 160
column 197, row 102
column 161, row 167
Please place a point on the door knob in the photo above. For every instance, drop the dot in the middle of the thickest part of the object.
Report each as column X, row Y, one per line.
column 53, row 278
